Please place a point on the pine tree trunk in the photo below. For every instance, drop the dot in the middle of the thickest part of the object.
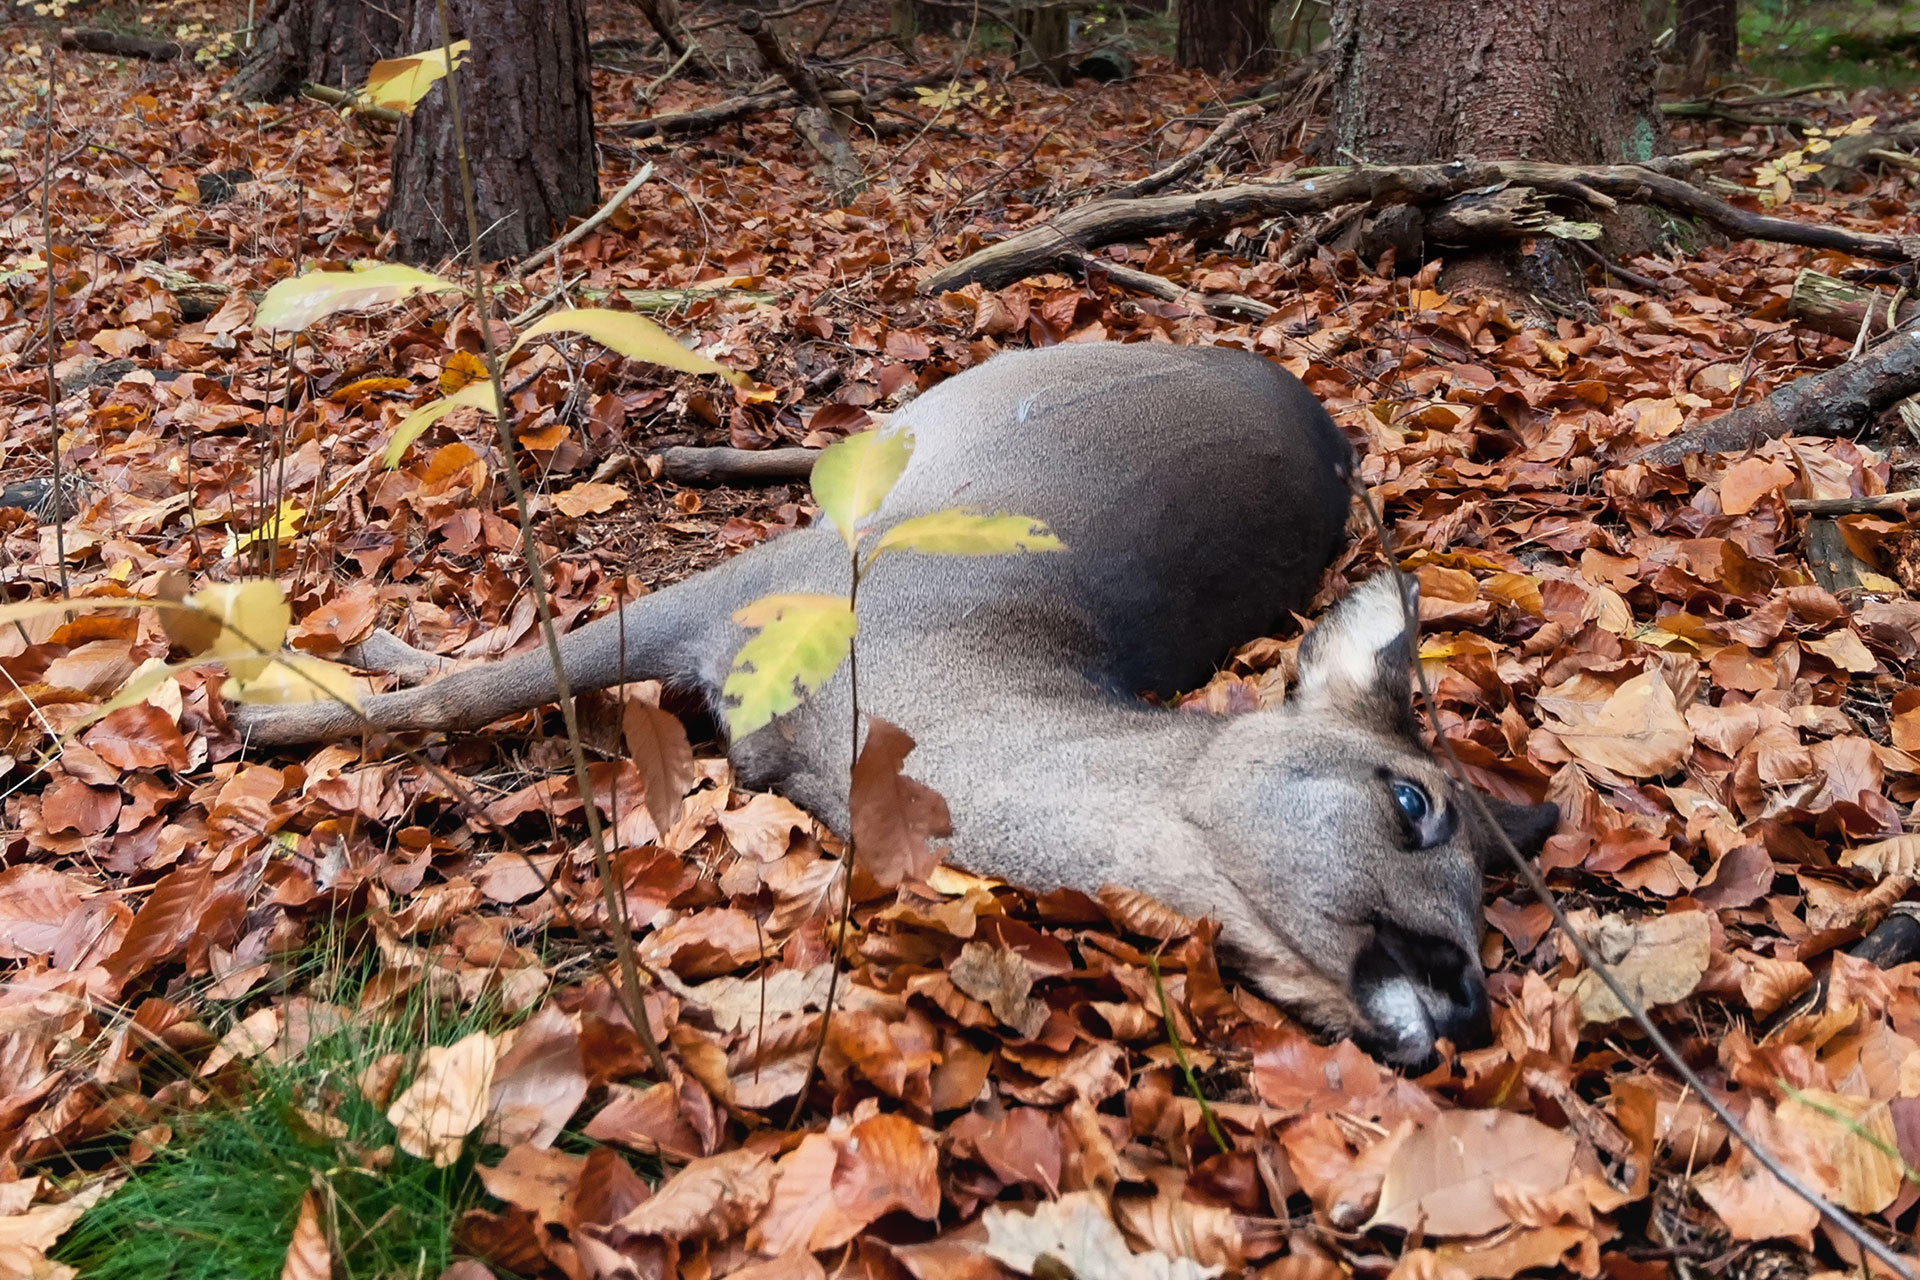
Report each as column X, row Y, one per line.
column 1226, row 37
column 527, row 96
column 1421, row 81
column 1706, row 34
column 330, row 42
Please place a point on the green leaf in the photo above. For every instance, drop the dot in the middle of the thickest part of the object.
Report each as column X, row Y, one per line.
column 633, row 336
column 802, row 641
column 297, row 303
column 960, row 532
column 398, row 84
column 851, row 479
column 477, row 394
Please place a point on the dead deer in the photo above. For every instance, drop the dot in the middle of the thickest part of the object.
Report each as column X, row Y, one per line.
column 1201, row 493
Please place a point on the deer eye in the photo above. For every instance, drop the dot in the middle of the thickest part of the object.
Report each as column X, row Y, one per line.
column 1413, row 802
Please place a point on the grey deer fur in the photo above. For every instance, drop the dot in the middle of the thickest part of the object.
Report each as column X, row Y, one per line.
column 1200, row 492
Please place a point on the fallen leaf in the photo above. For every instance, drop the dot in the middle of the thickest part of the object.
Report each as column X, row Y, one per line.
column 1658, row 959
column 896, row 820
column 447, row 1099
column 1442, row 1180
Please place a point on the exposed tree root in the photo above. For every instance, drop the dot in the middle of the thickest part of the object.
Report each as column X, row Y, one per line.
column 1056, row 245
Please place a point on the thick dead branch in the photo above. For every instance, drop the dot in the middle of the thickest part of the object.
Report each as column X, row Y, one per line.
column 703, row 119
column 1870, row 503
column 121, row 44
column 1508, row 213
column 685, row 464
column 1190, row 163
column 1836, row 402
column 1053, row 246
column 1838, row 307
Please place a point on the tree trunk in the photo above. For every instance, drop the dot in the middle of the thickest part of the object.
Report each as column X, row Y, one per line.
column 1042, row 35
column 1566, row 81
column 1226, row 37
column 526, row 95
column 330, row 42
column 1706, row 39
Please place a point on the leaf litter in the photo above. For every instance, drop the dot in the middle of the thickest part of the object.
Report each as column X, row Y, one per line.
column 1731, row 742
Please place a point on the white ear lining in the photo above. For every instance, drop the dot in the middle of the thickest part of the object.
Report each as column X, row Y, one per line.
column 1343, row 653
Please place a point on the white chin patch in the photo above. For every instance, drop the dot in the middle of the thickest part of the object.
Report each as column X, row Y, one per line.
column 1399, row 1018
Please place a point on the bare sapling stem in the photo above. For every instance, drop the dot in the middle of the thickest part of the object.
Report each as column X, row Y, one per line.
column 53, row 345
column 846, row 879
column 614, row 899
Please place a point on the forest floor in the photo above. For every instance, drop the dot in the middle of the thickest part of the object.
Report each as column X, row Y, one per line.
column 303, row 1013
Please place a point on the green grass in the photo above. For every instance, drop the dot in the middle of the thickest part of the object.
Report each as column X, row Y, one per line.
column 219, row 1201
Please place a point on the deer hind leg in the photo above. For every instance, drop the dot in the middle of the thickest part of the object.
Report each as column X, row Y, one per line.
column 683, row 635
column 388, row 654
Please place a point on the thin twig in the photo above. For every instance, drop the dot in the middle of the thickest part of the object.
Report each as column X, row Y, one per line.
column 53, row 347
column 614, row 898
column 532, row 261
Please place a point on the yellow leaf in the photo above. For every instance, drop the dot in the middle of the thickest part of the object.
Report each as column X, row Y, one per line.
column 959, row 532
column 478, row 395
column 252, row 617
column 297, row 303
column 398, row 84
column 299, row 677
column 462, row 367
column 634, row 336
column 281, row 525
column 852, row 478
column 802, row 640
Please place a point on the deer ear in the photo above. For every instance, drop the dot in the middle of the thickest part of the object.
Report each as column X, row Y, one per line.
column 1356, row 662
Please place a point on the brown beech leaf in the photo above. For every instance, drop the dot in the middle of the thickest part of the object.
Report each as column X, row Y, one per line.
column 1074, row 1236
column 1899, row 856
column 542, row 1182
column 1638, row 731
column 713, row 1198
column 657, row 744
column 588, row 499
column 1000, row 978
column 1755, row 1205
column 35, row 903
column 1659, row 959
column 763, row 827
column 447, row 1099
column 1442, row 1179
column 1856, row 1136
column 538, row 1083
column 309, row 1254
column 895, row 819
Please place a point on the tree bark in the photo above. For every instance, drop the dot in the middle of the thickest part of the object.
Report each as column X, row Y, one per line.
column 1226, row 37
column 1706, row 37
column 526, row 94
column 329, row 42
column 1565, row 81
column 1042, row 35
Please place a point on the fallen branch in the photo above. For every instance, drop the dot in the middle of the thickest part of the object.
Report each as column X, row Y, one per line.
column 585, row 229
column 1839, row 307
column 814, row 119
column 702, row 119
column 1228, row 306
column 1841, row 400
column 1872, row 503
column 121, row 44
column 1226, row 132
column 1054, row 246
column 685, row 464
column 350, row 101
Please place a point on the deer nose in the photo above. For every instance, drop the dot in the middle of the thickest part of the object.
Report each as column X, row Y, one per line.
column 1420, row 989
